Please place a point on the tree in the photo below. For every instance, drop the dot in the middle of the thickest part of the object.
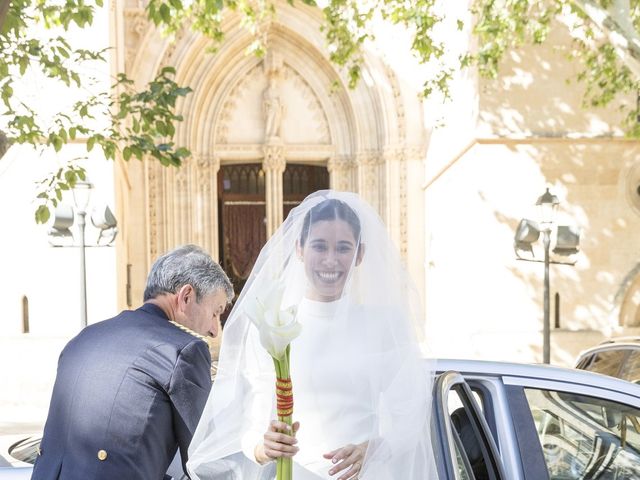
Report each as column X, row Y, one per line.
column 120, row 120
column 138, row 124
column 606, row 43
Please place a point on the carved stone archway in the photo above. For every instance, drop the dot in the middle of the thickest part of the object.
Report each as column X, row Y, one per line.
column 283, row 108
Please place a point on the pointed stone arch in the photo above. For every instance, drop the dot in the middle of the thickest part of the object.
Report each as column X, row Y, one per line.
column 359, row 134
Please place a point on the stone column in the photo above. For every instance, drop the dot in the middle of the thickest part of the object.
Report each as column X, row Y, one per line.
column 395, row 186
column 206, row 203
column 178, row 203
column 340, row 169
column 368, row 164
column 273, row 165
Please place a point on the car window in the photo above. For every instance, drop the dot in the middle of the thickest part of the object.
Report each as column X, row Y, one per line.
column 631, row 368
column 469, row 455
column 26, row 450
column 583, row 362
column 455, row 402
column 463, row 467
column 607, row 362
column 586, row 437
column 462, row 439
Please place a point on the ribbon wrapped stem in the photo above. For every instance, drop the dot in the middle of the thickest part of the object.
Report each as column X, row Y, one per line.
column 284, row 405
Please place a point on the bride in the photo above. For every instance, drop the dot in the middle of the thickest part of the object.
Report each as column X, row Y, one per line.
column 362, row 392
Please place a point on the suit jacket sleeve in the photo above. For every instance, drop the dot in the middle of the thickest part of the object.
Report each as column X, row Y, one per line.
column 188, row 390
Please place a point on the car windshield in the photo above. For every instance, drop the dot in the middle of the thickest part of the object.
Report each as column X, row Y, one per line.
column 583, row 436
column 631, row 367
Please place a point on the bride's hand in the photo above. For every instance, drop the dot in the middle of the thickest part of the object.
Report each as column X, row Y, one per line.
column 348, row 459
column 277, row 443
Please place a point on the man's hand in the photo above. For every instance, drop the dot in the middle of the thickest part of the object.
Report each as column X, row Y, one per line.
column 348, row 460
column 279, row 441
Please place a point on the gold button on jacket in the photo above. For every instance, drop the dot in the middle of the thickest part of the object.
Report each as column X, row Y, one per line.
column 102, row 455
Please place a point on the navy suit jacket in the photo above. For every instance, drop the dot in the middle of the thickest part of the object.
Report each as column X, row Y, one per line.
column 129, row 391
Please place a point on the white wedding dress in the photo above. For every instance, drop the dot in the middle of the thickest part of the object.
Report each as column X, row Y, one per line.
column 338, row 370
column 356, row 367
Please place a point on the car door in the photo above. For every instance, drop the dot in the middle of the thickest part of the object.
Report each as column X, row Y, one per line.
column 463, row 442
column 585, row 432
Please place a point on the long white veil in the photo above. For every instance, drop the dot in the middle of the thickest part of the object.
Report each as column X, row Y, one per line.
column 357, row 368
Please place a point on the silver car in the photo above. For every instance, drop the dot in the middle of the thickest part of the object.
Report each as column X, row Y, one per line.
column 17, row 454
column 535, row 422
column 618, row 357
column 504, row 421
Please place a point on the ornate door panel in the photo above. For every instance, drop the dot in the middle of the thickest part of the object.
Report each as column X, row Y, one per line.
column 299, row 181
column 242, row 223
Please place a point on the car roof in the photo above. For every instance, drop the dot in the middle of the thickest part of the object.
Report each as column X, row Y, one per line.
column 632, row 342
column 537, row 371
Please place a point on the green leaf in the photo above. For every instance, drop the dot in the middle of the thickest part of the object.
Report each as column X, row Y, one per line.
column 182, row 152
column 42, row 214
column 126, row 153
column 161, row 128
column 70, row 177
column 57, row 143
column 137, row 151
column 90, row 143
column 182, row 91
column 165, row 13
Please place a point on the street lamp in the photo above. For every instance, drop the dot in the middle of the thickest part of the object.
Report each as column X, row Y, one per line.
column 60, row 234
column 548, row 205
column 81, row 195
column 567, row 239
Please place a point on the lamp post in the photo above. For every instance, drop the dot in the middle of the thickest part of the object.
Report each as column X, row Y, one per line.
column 548, row 204
column 566, row 243
column 81, row 196
column 60, row 234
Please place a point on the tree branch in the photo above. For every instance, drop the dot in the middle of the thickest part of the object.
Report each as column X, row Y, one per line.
column 4, row 8
column 615, row 22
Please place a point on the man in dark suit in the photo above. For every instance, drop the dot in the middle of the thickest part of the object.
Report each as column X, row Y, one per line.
column 130, row 390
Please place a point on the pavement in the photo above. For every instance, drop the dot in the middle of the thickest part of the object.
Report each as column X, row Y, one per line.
column 27, row 372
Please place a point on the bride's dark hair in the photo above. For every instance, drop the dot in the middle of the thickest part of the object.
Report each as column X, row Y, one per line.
column 330, row 209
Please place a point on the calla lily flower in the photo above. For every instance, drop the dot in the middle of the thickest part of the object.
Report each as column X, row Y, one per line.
column 277, row 326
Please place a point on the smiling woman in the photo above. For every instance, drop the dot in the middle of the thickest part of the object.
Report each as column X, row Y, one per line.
column 329, row 246
column 358, row 410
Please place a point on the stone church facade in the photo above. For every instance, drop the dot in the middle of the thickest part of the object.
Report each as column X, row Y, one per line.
column 266, row 131
column 288, row 110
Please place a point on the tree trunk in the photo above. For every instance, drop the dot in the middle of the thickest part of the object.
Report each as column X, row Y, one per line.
column 4, row 144
column 616, row 24
column 4, row 8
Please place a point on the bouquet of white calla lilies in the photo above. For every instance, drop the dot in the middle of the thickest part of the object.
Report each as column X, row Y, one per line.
column 277, row 327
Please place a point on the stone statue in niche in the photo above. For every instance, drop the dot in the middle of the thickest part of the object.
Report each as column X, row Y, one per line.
column 272, row 105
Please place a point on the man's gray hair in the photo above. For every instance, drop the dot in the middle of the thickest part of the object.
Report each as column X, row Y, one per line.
column 187, row 265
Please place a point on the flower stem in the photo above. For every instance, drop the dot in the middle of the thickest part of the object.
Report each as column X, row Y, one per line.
column 284, row 467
